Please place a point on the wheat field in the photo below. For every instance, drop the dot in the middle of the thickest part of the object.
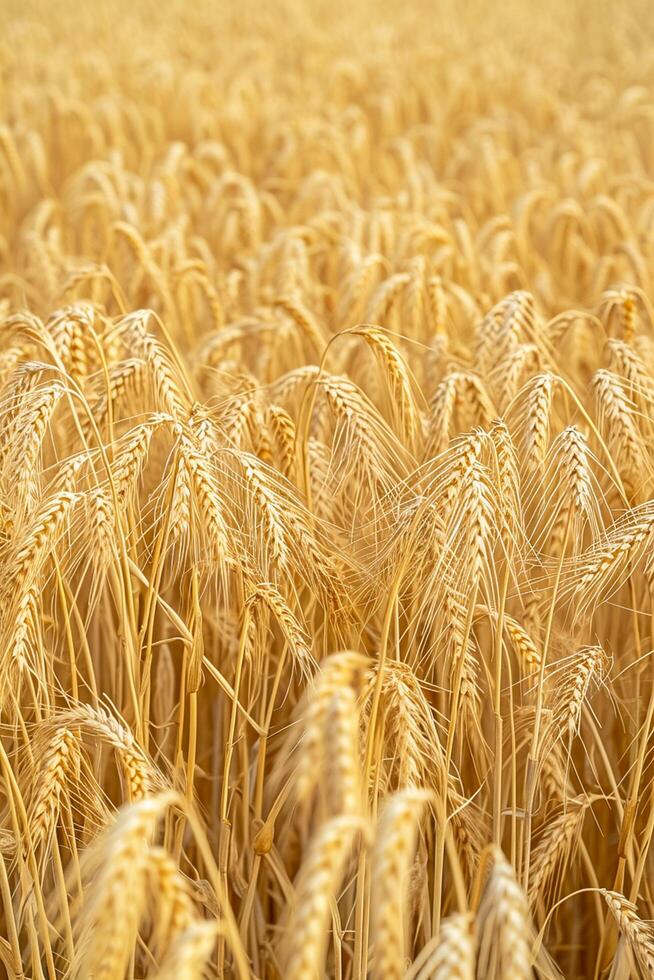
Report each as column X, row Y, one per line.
column 326, row 490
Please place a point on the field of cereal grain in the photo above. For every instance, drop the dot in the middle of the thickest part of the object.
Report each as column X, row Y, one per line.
column 326, row 490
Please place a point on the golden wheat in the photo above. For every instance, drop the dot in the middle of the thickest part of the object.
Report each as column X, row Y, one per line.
column 326, row 490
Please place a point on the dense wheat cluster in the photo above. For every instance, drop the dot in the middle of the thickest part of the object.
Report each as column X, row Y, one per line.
column 326, row 490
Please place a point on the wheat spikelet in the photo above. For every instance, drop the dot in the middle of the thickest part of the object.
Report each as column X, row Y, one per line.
column 343, row 782
column 283, row 430
column 317, row 883
column 59, row 759
column 442, row 408
column 291, row 629
column 524, row 646
column 174, row 908
column 472, row 521
column 40, row 537
column 621, row 543
column 618, row 418
column 67, row 328
column 114, row 902
column 34, row 426
column 198, row 474
column 345, row 401
column 539, row 393
column 171, row 397
column 70, row 472
column 303, row 319
column 555, row 850
column 140, row 777
column 508, row 477
column 525, row 359
column 454, row 956
column 24, row 627
column 637, row 933
column 503, row 924
column 125, row 379
column 569, row 479
column 102, row 523
column 624, row 360
column 180, row 506
column 394, row 846
column 266, row 505
column 190, row 953
column 398, row 376
column 336, row 672
column 588, row 667
column 204, row 429
column 412, row 748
